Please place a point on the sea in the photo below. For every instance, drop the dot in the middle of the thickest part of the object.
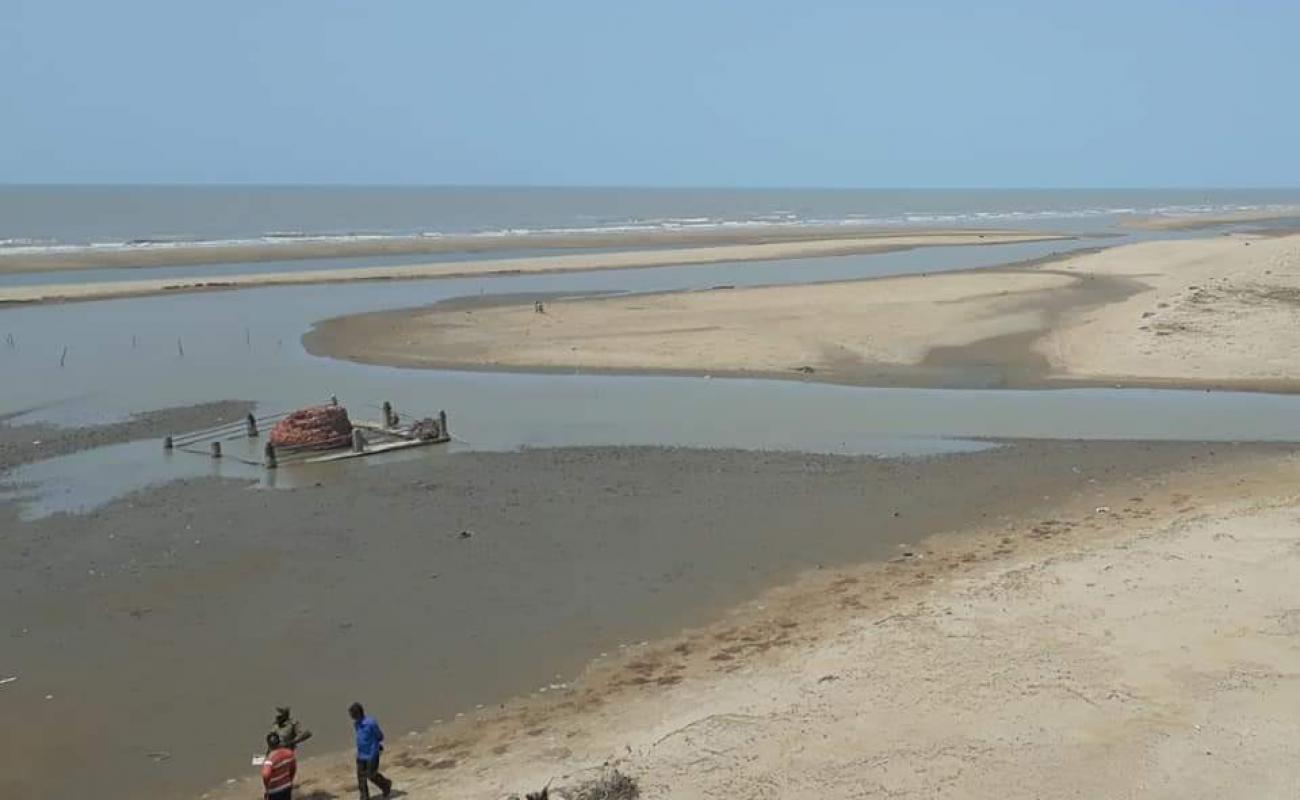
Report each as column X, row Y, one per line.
column 35, row 218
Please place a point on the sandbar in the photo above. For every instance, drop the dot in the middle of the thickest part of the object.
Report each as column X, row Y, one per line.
column 1190, row 222
column 630, row 259
column 1220, row 312
column 144, row 256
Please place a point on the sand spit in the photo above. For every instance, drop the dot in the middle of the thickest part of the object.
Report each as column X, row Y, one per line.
column 1190, row 222
column 1136, row 640
column 1217, row 312
column 628, row 259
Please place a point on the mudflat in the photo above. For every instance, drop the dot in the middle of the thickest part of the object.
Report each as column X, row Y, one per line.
column 151, row 638
column 1212, row 312
column 754, row 249
column 21, row 444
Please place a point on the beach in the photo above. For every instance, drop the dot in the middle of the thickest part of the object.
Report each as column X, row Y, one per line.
column 1129, row 638
column 1216, row 312
column 199, row 605
column 630, row 401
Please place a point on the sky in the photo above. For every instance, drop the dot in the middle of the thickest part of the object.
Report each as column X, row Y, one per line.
column 926, row 93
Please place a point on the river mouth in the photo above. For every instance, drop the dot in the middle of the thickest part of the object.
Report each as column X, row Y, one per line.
column 101, row 361
column 599, row 509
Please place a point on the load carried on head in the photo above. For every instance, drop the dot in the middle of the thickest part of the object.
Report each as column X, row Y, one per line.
column 323, row 427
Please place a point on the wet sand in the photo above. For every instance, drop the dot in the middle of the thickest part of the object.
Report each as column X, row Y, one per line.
column 23, row 444
column 1218, row 312
column 757, row 249
column 200, row 253
column 165, row 626
column 1133, row 638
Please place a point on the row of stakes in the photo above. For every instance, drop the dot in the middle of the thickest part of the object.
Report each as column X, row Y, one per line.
column 269, row 459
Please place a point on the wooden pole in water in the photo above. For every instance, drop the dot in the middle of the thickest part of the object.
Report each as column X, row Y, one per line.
column 216, row 449
column 251, row 422
column 269, row 452
column 442, row 425
column 388, row 414
column 358, row 441
column 167, row 443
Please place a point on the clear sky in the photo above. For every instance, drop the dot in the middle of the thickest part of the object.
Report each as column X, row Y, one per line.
column 652, row 92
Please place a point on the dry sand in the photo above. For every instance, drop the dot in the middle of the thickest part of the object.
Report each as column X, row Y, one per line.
column 800, row 247
column 1213, row 312
column 1137, row 640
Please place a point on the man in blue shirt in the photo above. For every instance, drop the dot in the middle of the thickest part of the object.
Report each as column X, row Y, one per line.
column 370, row 743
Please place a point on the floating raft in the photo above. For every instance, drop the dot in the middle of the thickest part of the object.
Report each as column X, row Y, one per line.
column 319, row 434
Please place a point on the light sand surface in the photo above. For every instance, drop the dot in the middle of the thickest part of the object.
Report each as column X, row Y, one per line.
column 854, row 239
column 1222, row 311
column 1209, row 310
column 1187, row 222
column 1141, row 641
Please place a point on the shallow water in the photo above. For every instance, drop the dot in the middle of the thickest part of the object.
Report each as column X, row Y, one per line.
column 129, row 355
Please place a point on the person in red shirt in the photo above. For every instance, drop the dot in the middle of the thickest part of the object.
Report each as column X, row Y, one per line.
column 279, row 769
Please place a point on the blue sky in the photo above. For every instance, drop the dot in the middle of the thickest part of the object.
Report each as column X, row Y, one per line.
column 753, row 93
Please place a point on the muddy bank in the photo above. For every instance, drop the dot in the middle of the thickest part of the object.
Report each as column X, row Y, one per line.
column 165, row 626
column 23, row 444
column 1133, row 640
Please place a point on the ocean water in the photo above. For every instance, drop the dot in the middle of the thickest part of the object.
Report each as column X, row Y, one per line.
column 42, row 217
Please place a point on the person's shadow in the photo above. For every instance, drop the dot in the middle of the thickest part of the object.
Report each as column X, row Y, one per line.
column 321, row 794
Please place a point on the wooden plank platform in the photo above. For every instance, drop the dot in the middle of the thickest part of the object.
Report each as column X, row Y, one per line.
column 383, row 447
